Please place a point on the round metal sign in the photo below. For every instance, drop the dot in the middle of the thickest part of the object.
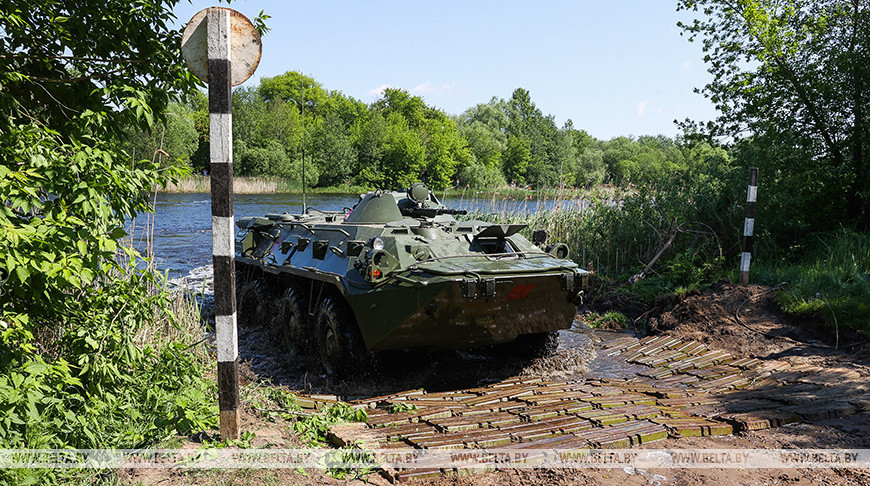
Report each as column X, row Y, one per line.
column 245, row 50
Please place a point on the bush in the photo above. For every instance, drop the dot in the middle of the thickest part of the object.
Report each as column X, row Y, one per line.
column 479, row 176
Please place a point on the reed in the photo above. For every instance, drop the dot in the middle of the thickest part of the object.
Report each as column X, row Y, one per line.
column 255, row 185
column 606, row 229
column 241, row 185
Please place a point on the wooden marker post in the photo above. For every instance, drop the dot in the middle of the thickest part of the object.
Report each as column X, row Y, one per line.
column 220, row 120
column 221, row 46
column 749, row 226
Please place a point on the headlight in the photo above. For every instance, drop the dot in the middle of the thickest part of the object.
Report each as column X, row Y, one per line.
column 377, row 243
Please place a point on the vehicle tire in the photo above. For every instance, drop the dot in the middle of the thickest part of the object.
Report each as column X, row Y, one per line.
column 340, row 345
column 530, row 346
column 289, row 322
column 249, row 297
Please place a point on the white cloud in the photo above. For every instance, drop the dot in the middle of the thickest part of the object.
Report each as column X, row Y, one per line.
column 686, row 65
column 640, row 109
column 428, row 88
column 643, row 108
column 379, row 91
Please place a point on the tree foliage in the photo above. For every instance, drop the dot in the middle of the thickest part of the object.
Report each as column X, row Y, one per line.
column 795, row 74
column 73, row 78
column 399, row 139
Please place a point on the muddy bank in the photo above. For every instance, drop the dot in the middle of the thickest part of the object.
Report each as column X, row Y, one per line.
column 744, row 320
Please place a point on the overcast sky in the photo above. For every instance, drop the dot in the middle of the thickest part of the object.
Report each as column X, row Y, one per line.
column 615, row 68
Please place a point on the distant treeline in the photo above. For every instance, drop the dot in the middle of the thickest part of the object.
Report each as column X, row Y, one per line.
column 398, row 140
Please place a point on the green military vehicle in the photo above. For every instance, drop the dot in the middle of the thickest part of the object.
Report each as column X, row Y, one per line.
column 398, row 271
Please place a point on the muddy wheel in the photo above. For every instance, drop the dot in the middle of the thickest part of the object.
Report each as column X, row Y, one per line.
column 288, row 321
column 249, row 297
column 339, row 342
column 530, row 346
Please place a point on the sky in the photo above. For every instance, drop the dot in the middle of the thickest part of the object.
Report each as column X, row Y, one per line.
column 615, row 68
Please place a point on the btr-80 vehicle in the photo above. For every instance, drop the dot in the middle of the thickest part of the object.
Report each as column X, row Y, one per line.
column 398, row 271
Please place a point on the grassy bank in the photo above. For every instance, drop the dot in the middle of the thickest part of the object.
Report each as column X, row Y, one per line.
column 827, row 278
column 127, row 368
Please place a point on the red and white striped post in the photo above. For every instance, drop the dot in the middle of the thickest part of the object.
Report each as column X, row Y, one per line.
column 223, row 243
column 749, row 226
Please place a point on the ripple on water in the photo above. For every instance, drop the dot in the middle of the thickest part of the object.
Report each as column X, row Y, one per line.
column 600, row 365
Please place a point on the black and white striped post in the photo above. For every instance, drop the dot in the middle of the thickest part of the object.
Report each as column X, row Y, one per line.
column 223, row 243
column 749, row 226
column 222, row 47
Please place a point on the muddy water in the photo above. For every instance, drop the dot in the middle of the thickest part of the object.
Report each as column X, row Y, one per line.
column 601, row 366
column 575, row 358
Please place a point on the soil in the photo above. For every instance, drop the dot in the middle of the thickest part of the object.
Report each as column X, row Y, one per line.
column 710, row 317
column 759, row 330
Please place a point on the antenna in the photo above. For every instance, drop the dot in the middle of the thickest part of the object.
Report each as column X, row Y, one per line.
column 304, row 204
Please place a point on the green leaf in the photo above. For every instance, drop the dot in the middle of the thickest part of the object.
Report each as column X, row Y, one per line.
column 23, row 273
column 35, row 368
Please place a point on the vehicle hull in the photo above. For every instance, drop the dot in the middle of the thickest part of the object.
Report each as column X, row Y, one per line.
column 442, row 315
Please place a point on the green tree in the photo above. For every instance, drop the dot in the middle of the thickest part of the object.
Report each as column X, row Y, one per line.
column 411, row 108
column 333, row 150
column 795, row 73
column 69, row 89
column 74, row 77
column 529, row 123
column 618, row 157
column 404, row 157
column 444, row 150
column 348, row 109
column 369, row 136
column 296, row 87
column 487, row 146
column 172, row 142
column 268, row 160
column 590, row 170
column 516, row 159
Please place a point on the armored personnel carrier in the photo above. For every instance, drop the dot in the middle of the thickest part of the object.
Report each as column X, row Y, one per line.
column 398, row 271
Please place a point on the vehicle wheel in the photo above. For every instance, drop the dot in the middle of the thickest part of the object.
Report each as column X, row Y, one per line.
column 249, row 297
column 288, row 321
column 530, row 346
column 339, row 342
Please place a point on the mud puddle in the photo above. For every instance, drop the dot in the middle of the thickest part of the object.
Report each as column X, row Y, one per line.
column 601, row 366
column 574, row 358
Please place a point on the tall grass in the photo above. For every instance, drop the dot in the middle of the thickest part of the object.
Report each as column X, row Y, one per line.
column 241, row 185
column 512, row 193
column 269, row 185
column 615, row 232
column 827, row 278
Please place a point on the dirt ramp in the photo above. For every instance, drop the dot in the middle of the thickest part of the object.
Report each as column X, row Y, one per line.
column 762, row 330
